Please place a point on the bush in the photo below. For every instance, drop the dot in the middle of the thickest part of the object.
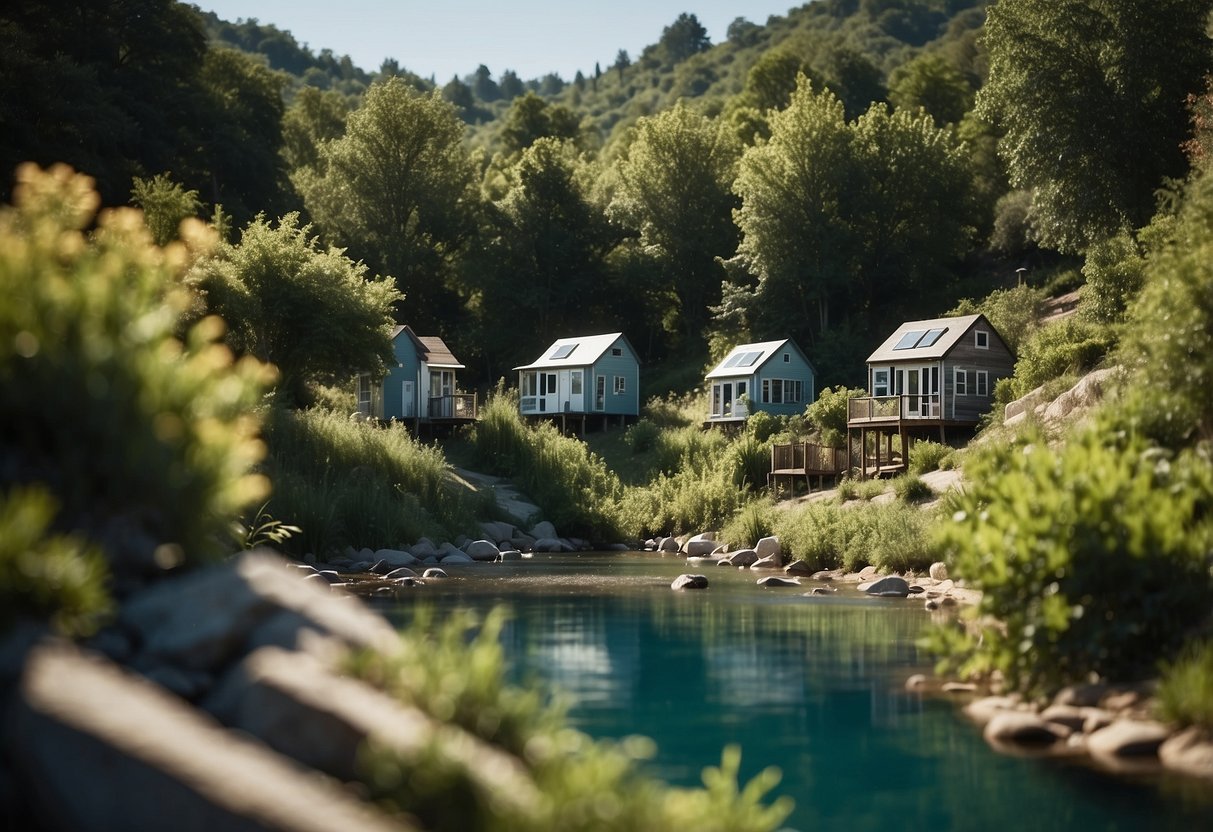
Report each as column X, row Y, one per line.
column 1185, row 692
column 1094, row 558
column 642, row 436
column 762, row 425
column 456, row 673
column 890, row 537
column 145, row 440
column 685, row 502
column 911, row 489
column 1068, row 346
column 754, row 521
column 829, row 414
column 1014, row 312
column 927, row 456
column 749, row 459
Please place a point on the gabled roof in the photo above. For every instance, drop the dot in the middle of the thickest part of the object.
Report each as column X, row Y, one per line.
column 430, row 348
column 745, row 359
column 926, row 340
column 581, row 351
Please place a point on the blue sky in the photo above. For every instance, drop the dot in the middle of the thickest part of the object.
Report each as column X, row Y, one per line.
column 452, row 37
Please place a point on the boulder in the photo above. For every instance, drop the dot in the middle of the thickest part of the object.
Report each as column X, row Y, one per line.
column 162, row 759
column 434, row 573
column 890, row 587
column 700, row 545
column 770, row 562
column 499, row 532
column 668, row 544
column 778, row 580
column 1190, row 752
column 423, row 549
column 402, row 572
column 741, row 558
column 543, row 529
column 938, row 571
column 482, row 550
column 1128, row 738
column 509, row 554
column 690, row 582
column 548, row 544
column 983, row 710
column 768, row 547
column 798, row 567
column 1022, row 728
column 201, row 620
column 395, row 557
column 1073, row 718
column 826, row 575
column 522, row 542
column 456, row 557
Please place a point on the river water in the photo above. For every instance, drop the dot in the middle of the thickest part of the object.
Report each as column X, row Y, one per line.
column 811, row 685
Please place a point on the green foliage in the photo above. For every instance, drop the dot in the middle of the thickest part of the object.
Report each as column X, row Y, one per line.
column 763, row 425
column 932, row 83
column 311, row 312
column 752, row 523
column 750, row 461
column 572, row 485
column 892, row 537
column 1114, row 270
column 343, row 482
column 1092, row 558
column 642, row 436
column 1091, row 96
column 1014, row 313
column 686, row 501
column 165, row 204
column 829, row 414
column 927, row 456
column 45, row 575
column 145, row 441
column 910, row 488
column 456, row 674
column 1185, row 691
column 264, row 530
column 1071, row 345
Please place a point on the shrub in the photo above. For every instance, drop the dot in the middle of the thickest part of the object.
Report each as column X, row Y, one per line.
column 867, row 489
column 642, row 436
column 686, row 501
column 890, row 537
column 911, row 489
column 1068, row 346
column 754, row 521
column 1185, row 692
column 762, row 425
column 1093, row 557
column 456, row 673
column 145, row 441
column 927, row 456
column 749, row 460
column 1014, row 312
column 829, row 414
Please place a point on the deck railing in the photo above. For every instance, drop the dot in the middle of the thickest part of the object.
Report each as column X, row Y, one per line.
column 892, row 408
column 453, row 406
column 808, row 457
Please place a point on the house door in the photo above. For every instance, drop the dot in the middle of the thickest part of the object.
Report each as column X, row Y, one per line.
column 919, row 388
column 408, row 402
column 547, row 393
column 600, row 392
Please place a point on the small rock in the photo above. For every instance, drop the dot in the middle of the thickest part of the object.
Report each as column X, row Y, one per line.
column 986, row 708
column 1080, row 696
column 958, row 687
column 434, row 572
column 798, row 567
column 767, row 563
column 459, row 557
column 483, row 550
column 394, row 557
column 1096, row 718
column 701, row 544
column 916, row 682
column 402, row 572
column 938, row 571
column 741, row 558
column 824, row 575
column 915, row 589
column 1190, row 751
column 543, row 529
column 867, row 571
column 1070, row 716
column 931, row 604
column 1022, row 728
column 509, row 554
column 690, row 582
column 777, row 580
column 823, row 590
column 668, row 544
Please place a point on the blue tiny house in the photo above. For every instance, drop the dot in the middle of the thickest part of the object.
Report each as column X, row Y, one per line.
column 773, row 376
column 420, row 387
column 585, row 375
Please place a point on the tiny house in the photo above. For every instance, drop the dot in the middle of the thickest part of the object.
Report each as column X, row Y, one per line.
column 774, row 377
column 585, row 375
column 420, row 387
column 929, row 376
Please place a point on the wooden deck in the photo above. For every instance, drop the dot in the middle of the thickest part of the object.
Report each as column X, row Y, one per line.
column 805, row 459
column 874, row 421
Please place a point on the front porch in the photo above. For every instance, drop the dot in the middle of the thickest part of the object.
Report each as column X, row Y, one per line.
column 452, row 407
column 874, row 421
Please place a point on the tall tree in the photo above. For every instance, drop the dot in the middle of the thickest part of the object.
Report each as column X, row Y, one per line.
column 314, row 117
column 165, row 204
column 531, row 118
column 675, row 189
column 1091, row 96
column 933, row 84
column 683, row 38
column 398, row 190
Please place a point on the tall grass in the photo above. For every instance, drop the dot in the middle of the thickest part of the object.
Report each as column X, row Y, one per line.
column 891, row 537
column 686, row 501
column 345, row 482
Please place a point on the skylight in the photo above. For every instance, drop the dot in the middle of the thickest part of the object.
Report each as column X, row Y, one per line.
column 909, row 340
column 931, row 337
column 563, row 351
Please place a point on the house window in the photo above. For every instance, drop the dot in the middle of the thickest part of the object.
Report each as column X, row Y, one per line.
column 530, row 383
column 782, row 391
column 364, row 395
column 982, row 383
column 981, row 339
column 620, row 385
column 617, row 351
column 787, row 358
column 599, row 392
column 962, row 382
column 575, row 383
column 880, row 382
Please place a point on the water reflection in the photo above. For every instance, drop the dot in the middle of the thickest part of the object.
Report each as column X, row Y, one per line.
column 813, row 685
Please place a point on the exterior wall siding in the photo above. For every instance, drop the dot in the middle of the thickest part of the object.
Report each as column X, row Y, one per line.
column 626, row 365
column 794, row 370
column 393, row 382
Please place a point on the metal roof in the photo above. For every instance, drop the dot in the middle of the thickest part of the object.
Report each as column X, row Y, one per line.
column 745, row 359
column 431, row 349
column 581, row 351
column 930, row 343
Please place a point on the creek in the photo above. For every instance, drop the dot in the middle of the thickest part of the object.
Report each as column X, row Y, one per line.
column 812, row 685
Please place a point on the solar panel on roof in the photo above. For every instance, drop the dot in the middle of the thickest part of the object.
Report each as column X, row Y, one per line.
column 563, row 351
column 749, row 359
column 909, row 340
column 733, row 361
column 931, row 337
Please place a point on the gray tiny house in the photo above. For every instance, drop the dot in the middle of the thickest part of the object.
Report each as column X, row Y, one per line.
column 929, row 376
column 582, row 376
column 773, row 377
column 420, row 387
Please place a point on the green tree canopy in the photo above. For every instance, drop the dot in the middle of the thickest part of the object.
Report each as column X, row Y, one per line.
column 531, row 118
column 165, row 204
column 1091, row 96
column 675, row 189
column 310, row 312
column 398, row 191
column 932, row 83
column 683, row 38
